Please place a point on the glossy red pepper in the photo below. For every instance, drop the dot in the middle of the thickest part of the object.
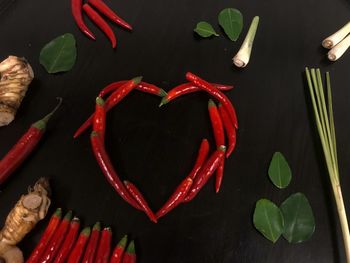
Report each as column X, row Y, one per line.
column 229, row 130
column 101, row 23
column 142, row 86
column 91, row 247
column 221, row 97
column 201, row 157
column 130, row 253
column 176, row 198
column 219, row 136
column 140, row 200
column 99, row 121
column 76, row 6
column 79, row 247
column 69, row 241
column 46, row 237
column 206, row 172
column 187, row 88
column 108, row 170
column 57, row 239
column 25, row 145
column 118, row 251
column 104, row 246
column 104, row 9
column 113, row 100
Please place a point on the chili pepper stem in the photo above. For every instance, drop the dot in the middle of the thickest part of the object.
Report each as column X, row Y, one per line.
column 163, row 101
column 41, row 124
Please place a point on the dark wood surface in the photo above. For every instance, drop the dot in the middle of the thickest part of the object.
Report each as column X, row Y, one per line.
column 155, row 148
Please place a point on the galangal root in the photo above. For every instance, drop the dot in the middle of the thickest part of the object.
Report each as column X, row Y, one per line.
column 15, row 76
column 28, row 211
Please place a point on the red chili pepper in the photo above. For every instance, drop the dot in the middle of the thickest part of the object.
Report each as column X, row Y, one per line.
column 130, row 253
column 57, row 239
column 104, row 246
column 25, row 145
column 142, row 86
column 187, row 88
column 229, row 130
column 101, row 23
column 219, row 136
column 108, row 170
column 221, row 97
column 140, row 200
column 206, row 172
column 91, row 248
column 104, row 9
column 68, row 241
column 78, row 250
column 76, row 6
column 113, row 100
column 99, row 121
column 201, row 157
column 118, row 251
column 176, row 198
column 46, row 237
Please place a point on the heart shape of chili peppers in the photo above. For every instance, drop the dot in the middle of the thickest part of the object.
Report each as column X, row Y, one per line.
column 223, row 121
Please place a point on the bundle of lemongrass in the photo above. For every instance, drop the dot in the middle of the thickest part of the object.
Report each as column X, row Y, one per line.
column 338, row 43
column 325, row 125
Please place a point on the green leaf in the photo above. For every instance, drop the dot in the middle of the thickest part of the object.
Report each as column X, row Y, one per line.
column 299, row 221
column 268, row 219
column 231, row 20
column 59, row 55
column 205, row 29
column 279, row 171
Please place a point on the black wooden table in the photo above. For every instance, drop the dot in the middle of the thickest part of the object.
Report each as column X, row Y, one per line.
column 155, row 147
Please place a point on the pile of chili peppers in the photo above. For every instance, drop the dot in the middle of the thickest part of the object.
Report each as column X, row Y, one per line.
column 25, row 145
column 223, row 121
column 91, row 8
column 62, row 242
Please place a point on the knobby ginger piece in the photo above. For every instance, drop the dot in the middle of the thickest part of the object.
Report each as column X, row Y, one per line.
column 29, row 210
column 15, row 76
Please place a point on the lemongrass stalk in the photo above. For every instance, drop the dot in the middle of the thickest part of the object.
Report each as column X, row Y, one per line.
column 241, row 59
column 325, row 126
column 338, row 36
column 339, row 49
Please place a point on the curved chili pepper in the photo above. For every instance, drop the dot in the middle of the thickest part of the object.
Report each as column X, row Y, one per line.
column 76, row 6
column 118, row 251
column 221, row 97
column 104, row 9
column 219, row 136
column 99, row 122
column 130, row 253
column 91, row 247
column 57, row 239
column 206, row 172
column 25, row 145
column 108, row 170
column 187, row 88
column 201, row 157
column 104, row 246
column 113, row 100
column 45, row 238
column 142, row 86
column 68, row 241
column 78, row 250
column 176, row 198
column 140, row 200
column 229, row 130
column 101, row 23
